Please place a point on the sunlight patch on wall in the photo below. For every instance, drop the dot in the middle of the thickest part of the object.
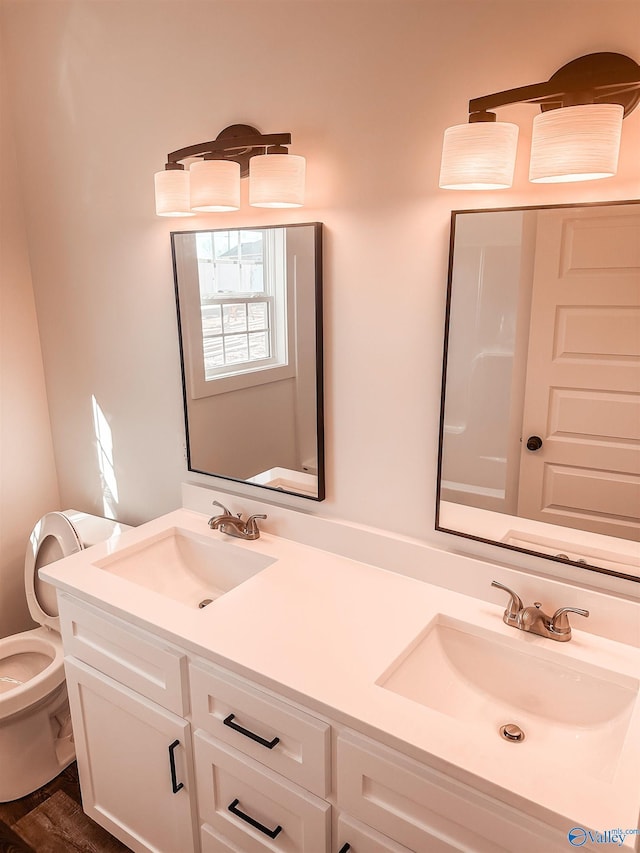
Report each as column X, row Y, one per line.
column 104, row 447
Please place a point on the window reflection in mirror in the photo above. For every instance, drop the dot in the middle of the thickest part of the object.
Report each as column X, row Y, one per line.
column 249, row 306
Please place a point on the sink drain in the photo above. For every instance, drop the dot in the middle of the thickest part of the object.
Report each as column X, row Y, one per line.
column 204, row 602
column 512, row 733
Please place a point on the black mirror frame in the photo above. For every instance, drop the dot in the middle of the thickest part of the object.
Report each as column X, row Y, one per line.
column 319, row 354
column 438, row 526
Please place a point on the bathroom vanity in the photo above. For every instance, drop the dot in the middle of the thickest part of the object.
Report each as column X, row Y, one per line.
column 315, row 703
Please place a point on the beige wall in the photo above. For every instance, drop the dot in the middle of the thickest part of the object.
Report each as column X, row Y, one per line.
column 245, row 432
column 103, row 90
column 28, row 485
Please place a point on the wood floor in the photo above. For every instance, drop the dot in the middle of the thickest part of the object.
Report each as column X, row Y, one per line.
column 51, row 820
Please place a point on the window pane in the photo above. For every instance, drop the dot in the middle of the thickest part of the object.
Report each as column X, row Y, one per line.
column 235, row 317
column 236, row 348
column 204, row 245
column 258, row 316
column 251, row 278
column 213, row 354
column 258, row 345
column 227, row 277
column 211, row 320
column 252, row 243
column 225, row 244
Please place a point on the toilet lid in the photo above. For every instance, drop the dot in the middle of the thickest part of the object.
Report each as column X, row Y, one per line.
column 52, row 538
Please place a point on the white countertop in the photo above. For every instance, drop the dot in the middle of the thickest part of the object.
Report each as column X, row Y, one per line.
column 321, row 629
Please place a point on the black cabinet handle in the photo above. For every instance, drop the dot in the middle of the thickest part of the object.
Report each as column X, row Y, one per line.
column 228, row 721
column 345, row 848
column 175, row 785
column 534, row 442
column 272, row 833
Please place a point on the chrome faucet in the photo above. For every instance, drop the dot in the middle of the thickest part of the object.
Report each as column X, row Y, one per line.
column 534, row 620
column 235, row 525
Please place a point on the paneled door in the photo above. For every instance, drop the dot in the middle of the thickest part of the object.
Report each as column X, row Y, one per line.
column 580, row 460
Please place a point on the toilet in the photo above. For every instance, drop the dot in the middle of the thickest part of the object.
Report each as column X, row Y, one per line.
column 36, row 741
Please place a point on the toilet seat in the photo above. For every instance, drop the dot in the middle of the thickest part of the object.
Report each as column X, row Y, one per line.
column 53, row 537
column 26, row 696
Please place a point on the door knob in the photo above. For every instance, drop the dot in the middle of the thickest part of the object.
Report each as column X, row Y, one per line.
column 534, row 442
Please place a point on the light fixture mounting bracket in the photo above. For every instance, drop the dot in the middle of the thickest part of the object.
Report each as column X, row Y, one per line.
column 238, row 142
column 607, row 78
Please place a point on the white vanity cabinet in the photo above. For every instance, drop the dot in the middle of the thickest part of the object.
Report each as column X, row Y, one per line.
column 178, row 755
column 278, row 707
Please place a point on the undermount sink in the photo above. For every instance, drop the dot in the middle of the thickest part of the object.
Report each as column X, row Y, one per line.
column 571, row 713
column 188, row 568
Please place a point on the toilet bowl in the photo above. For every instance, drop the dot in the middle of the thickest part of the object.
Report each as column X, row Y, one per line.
column 36, row 740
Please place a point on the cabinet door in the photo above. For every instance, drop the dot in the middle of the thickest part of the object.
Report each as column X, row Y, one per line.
column 134, row 763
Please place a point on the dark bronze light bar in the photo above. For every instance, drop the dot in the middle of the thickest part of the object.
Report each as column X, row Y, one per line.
column 578, row 139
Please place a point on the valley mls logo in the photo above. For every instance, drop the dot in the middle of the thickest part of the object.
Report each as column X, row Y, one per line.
column 577, row 836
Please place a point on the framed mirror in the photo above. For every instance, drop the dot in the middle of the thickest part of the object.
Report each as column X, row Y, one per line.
column 540, row 420
column 249, row 304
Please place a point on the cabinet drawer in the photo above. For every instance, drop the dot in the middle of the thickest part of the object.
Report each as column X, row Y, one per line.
column 426, row 810
column 125, row 653
column 211, row 842
column 255, row 809
column 277, row 735
column 363, row 839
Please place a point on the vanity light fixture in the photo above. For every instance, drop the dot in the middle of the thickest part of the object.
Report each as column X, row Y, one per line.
column 212, row 183
column 576, row 137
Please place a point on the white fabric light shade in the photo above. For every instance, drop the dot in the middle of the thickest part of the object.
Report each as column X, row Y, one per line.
column 480, row 155
column 215, row 186
column 576, row 143
column 276, row 180
column 172, row 193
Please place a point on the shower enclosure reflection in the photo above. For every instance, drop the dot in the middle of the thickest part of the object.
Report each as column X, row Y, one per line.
column 540, row 431
column 249, row 304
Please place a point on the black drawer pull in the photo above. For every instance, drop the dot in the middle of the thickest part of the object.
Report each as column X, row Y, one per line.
column 175, row 785
column 228, row 721
column 272, row 833
column 345, row 848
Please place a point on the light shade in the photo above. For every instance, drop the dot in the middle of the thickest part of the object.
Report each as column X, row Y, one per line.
column 276, row 180
column 576, row 143
column 172, row 193
column 215, row 186
column 480, row 155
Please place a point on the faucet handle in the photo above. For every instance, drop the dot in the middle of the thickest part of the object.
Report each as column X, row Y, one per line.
column 215, row 518
column 515, row 605
column 250, row 523
column 559, row 623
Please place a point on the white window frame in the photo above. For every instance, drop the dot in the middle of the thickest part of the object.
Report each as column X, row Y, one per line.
column 281, row 364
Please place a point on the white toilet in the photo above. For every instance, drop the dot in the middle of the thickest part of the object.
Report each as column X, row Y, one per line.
column 36, row 741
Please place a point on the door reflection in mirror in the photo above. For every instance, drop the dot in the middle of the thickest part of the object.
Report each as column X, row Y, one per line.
column 540, row 430
column 249, row 306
